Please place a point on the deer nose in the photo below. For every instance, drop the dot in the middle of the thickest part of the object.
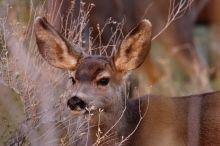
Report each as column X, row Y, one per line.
column 75, row 103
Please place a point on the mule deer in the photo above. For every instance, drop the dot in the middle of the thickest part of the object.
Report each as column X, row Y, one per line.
column 100, row 82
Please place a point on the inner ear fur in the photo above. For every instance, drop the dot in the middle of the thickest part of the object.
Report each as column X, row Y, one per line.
column 134, row 48
column 53, row 47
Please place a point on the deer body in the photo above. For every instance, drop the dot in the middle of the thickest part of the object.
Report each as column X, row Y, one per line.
column 168, row 122
column 98, row 92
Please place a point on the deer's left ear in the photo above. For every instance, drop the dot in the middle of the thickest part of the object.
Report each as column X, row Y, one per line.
column 134, row 48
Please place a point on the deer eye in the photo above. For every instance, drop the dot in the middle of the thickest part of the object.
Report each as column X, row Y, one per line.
column 103, row 81
column 73, row 80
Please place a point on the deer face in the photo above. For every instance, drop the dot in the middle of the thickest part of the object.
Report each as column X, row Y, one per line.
column 97, row 81
column 93, row 84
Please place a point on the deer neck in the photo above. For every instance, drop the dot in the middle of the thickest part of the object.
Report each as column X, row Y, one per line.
column 117, row 125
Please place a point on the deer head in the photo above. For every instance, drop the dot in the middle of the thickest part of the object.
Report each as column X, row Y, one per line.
column 97, row 81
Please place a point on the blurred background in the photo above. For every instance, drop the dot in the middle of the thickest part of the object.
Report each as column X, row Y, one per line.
column 183, row 59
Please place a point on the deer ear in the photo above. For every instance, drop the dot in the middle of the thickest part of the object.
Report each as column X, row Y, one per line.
column 134, row 48
column 53, row 47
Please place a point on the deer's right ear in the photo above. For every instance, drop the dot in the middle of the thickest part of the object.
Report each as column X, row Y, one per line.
column 134, row 48
column 53, row 47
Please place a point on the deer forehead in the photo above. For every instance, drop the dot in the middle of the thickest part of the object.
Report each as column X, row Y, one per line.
column 93, row 67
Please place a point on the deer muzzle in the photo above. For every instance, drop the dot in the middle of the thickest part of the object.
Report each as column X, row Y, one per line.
column 76, row 104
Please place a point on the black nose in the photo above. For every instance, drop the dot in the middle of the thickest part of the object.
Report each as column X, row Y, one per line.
column 75, row 103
